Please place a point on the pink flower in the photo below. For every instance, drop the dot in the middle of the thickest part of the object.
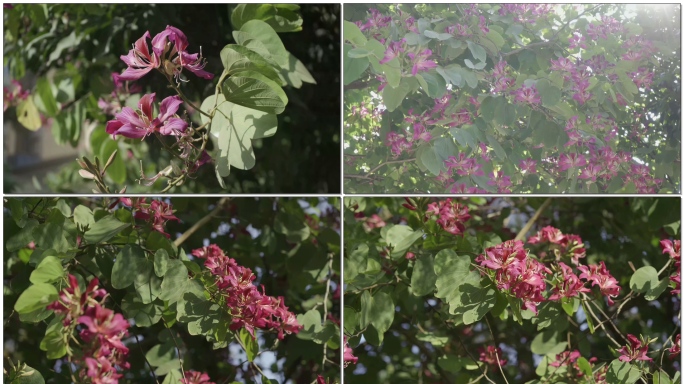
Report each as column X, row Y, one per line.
column 420, row 133
column 138, row 125
column 673, row 249
column 14, row 94
column 500, row 180
column 527, row 94
column 452, row 215
column 140, row 60
column 636, row 350
column 410, row 256
column 374, row 222
column 528, row 166
column 572, row 160
column 349, row 357
column 568, row 284
column 564, row 358
column 562, row 64
column 491, row 355
column 194, row 377
column 577, row 40
column 599, row 275
column 320, row 380
column 676, row 348
column 421, row 62
column 157, row 212
column 392, row 51
column 103, row 321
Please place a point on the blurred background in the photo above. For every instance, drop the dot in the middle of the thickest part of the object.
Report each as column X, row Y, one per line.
column 74, row 48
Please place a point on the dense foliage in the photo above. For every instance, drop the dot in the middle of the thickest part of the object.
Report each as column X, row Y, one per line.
column 494, row 290
column 191, row 290
column 221, row 78
column 501, row 98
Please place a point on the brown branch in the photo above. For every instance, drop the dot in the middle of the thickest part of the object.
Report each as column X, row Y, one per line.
column 528, row 225
column 219, row 207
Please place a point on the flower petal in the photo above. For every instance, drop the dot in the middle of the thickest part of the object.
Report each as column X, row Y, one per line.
column 168, row 107
column 173, row 125
column 145, row 105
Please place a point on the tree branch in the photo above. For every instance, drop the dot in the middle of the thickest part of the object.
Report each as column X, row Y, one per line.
column 528, row 225
column 219, row 207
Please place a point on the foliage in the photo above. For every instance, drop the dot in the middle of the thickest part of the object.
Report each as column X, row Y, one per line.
column 71, row 52
column 574, row 290
column 153, row 284
column 487, row 98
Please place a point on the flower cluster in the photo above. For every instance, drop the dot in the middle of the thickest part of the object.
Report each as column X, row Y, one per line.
column 516, row 272
column 421, row 62
column 491, row 355
column 112, row 104
column 349, row 357
column 194, row 377
column 168, row 55
column 599, row 275
column 526, row 13
column 13, row 95
column 636, row 350
column 527, row 94
column 607, row 26
column 393, row 50
column 248, row 307
column 565, row 245
column 375, row 21
column 157, row 212
column 101, row 333
column 672, row 248
column 141, row 123
column 501, row 81
column 451, row 216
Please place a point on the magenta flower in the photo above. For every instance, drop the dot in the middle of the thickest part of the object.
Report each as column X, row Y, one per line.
column 483, row 25
column 490, row 355
column 194, row 377
column 421, row 62
column 392, row 51
column 528, row 166
column 349, row 357
column 500, row 180
column 676, row 348
column 421, row 133
column 568, row 285
column 592, row 171
column 571, row 160
column 140, row 60
column 140, row 124
column 599, row 275
column 157, row 213
column 527, row 94
column 636, row 350
column 451, row 215
column 564, row 358
column 577, row 40
column 562, row 64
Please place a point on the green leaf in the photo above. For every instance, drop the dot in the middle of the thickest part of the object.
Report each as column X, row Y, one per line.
column 436, row 35
column 35, row 297
column 353, row 34
column 661, row 377
column 311, row 321
column 432, row 160
column 145, row 315
column 237, row 59
column 351, row 319
column 549, row 94
column 645, row 279
column 477, row 66
column 475, row 301
column 249, row 343
column 377, row 310
column 28, row 115
column 52, row 235
column 544, row 342
column 176, row 283
column 496, row 38
column 424, row 278
column 104, row 229
column 161, row 262
column 584, row 366
column 235, row 127
column 255, row 91
column 435, row 86
column 55, row 341
column 161, row 354
column 295, row 73
column 282, row 17
column 83, row 217
column 435, row 339
column 477, row 51
column 202, row 316
column 130, row 262
column 294, row 228
column 173, row 377
column 269, row 37
column 353, row 68
column 452, row 271
column 44, row 91
column 146, row 283
column 450, row 363
column 620, row 372
column 400, row 238
column 498, row 149
column 49, row 270
column 24, row 374
column 393, row 97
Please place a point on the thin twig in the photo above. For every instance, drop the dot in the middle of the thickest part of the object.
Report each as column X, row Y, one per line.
column 219, row 207
column 325, row 303
column 528, row 225
column 180, row 360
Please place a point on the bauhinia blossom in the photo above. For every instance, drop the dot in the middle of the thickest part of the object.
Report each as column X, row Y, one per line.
column 599, row 275
column 491, row 355
column 249, row 308
column 194, row 377
column 157, row 212
column 420, row 61
column 451, row 215
column 349, row 357
column 636, row 350
column 141, row 123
